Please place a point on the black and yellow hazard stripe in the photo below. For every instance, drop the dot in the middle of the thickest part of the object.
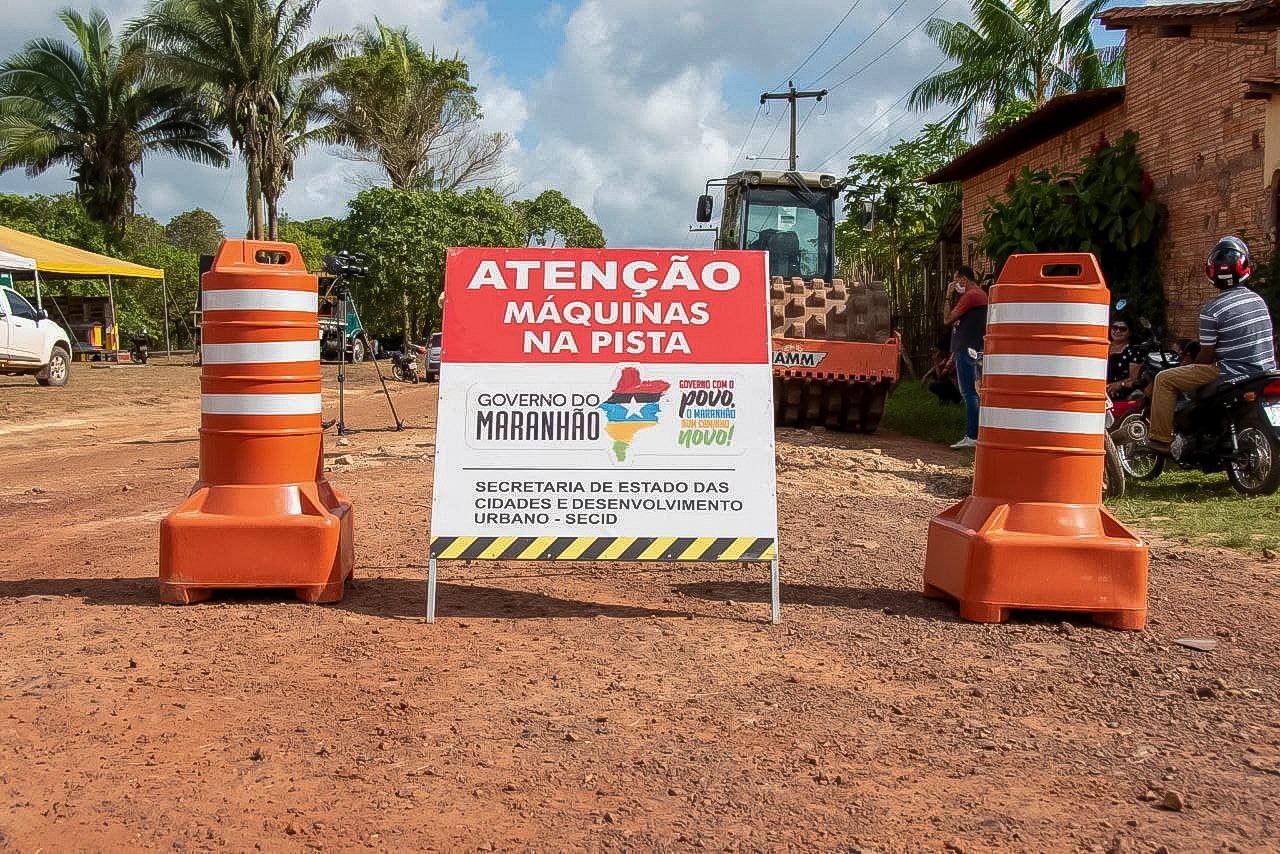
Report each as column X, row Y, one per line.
column 604, row 548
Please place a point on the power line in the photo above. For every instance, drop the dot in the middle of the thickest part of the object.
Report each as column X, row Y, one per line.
column 776, row 125
column 912, row 120
column 887, row 50
column 745, row 139
column 865, row 39
column 821, row 44
column 879, row 116
column 813, row 109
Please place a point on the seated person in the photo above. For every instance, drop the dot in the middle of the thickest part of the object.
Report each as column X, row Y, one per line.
column 784, row 251
column 1123, row 362
column 1236, row 339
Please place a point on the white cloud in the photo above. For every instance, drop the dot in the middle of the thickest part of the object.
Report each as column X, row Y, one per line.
column 632, row 104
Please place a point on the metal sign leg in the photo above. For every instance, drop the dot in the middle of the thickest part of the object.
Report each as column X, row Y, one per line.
column 774, row 591
column 431, row 590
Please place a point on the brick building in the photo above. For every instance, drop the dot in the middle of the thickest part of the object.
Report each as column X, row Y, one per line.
column 1199, row 81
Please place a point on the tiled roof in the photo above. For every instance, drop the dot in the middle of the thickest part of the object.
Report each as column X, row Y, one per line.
column 1122, row 17
column 1060, row 114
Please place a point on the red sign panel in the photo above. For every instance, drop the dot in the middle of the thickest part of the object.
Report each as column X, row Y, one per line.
column 573, row 306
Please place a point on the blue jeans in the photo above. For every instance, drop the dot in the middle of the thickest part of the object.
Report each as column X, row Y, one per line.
column 967, row 377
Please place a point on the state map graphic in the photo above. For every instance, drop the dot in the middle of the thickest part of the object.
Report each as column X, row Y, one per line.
column 633, row 406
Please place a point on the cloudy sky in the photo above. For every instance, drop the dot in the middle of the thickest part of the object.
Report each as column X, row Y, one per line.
column 625, row 106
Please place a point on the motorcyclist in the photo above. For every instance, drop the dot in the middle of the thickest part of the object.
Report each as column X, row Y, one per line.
column 1236, row 339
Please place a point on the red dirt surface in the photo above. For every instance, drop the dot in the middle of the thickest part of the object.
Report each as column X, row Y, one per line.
column 572, row 706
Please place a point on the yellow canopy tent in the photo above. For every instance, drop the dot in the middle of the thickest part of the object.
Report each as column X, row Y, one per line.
column 68, row 262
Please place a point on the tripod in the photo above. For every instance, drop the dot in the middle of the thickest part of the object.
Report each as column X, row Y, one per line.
column 344, row 266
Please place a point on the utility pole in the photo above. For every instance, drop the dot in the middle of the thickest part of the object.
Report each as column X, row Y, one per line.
column 792, row 96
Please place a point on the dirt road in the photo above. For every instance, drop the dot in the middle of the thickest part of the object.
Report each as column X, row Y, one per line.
column 557, row 707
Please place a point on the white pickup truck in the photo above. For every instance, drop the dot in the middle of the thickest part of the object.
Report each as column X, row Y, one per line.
column 31, row 343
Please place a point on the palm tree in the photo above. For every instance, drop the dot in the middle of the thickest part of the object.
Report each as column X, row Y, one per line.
column 243, row 54
column 411, row 112
column 300, row 110
column 94, row 106
column 1023, row 50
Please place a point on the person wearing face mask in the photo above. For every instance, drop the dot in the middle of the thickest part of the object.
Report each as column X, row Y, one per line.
column 969, row 318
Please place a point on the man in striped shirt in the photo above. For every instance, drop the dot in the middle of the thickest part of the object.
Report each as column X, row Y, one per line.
column 1236, row 339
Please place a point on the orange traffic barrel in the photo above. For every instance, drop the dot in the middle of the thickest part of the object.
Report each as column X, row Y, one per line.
column 261, row 514
column 1034, row 534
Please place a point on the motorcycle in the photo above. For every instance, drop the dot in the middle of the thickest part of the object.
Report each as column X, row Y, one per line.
column 404, row 363
column 140, row 346
column 1132, row 414
column 1113, row 472
column 1231, row 426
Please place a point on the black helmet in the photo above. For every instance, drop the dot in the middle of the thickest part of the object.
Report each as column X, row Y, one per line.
column 1228, row 264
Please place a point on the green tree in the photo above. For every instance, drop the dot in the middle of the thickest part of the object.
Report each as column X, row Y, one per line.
column 1105, row 208
column 196, row 231
column 96, row 107
column 909, row 216
column 312, row 248
column 1007, row 116
column 326, row 229
column 301, row 124
column 246, row 56
column 139, row 302
column 1023, row 50
column 552, row 218
column 405, row 235
column 411, row 112
column 62, row 218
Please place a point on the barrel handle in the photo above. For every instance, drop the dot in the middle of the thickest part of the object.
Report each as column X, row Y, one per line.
column 1061, row 268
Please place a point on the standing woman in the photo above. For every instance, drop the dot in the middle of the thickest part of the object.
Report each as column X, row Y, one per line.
column 1123, row 362
column 970, row 318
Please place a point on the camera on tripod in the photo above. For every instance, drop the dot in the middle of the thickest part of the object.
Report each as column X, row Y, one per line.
column 346, row 263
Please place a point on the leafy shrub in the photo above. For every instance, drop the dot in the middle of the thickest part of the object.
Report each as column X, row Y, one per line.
column 1105, row 208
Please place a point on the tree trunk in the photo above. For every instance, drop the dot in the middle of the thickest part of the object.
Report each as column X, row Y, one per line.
column 253, row 182
column 404, row 318
column 253, row 201
column 273, row 218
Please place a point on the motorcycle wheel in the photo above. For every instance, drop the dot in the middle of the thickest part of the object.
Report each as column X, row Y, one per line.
column 1256, row 470
column 1113, row 478
column 1136, row 457
column 398, row 373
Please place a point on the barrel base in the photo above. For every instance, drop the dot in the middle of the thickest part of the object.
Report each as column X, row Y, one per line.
column 993, row 559
column 297, row 536
column 183, row 594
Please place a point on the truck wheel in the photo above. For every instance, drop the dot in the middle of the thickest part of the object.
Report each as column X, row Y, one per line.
column 357, row 349
column 58, row 371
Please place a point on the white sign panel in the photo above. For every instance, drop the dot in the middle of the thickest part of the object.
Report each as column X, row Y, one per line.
column 605, row 405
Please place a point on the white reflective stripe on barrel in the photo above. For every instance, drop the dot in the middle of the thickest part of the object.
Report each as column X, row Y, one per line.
column 1043, row 420
column 1062, row 313
column 260, row 404
column 1039, row 365
column 260, row 299
column 261, row 352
